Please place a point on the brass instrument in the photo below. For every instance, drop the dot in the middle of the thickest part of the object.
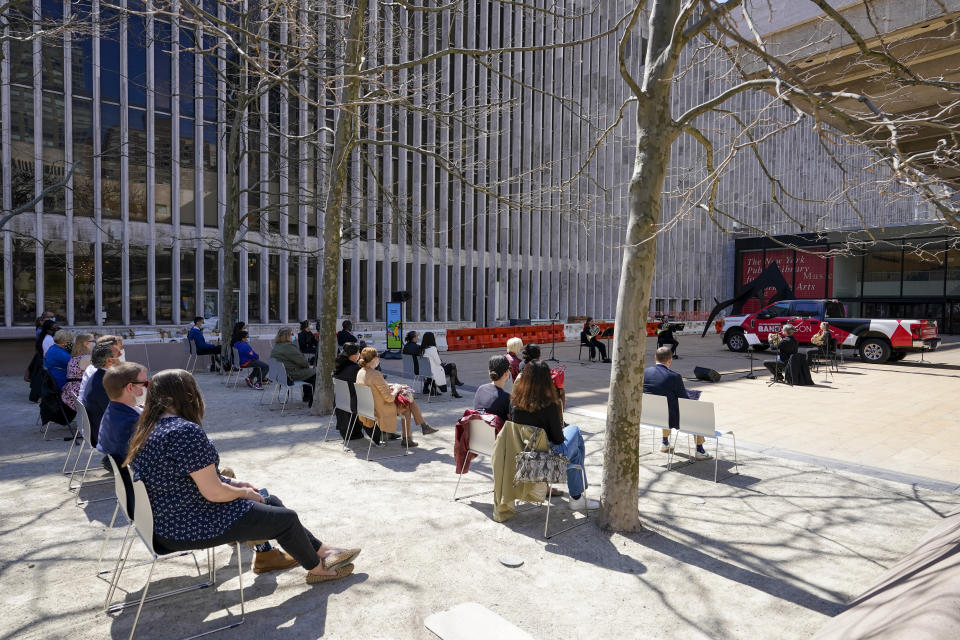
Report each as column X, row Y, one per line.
column 774, row 339
column 593, row 330
column 818, row 337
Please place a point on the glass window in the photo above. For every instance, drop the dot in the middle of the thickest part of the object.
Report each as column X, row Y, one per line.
column 109, row 55
column 835, row 310
column 923, row 269
column 346, row 288
column 55, row 278
column 187, row 73
column 164, row 284
column 162, row 62
column 273, row 285
column 81, row 52
column 293, row 290
column 953, row 272
column 312, row 310
column 136, row 55
column 137, row 183
column 53, row 146
column 846, row 276
column 138, row 285
column 365, row 300
column 211, row 270
column 253, row 287
column 211, row 215
column 188, row 288
column 810, row 275
column 806, row 309
column 22, row 132
column 83, row 158
column 110, row 167
column 210, row 78
column 25, row 282
column 21, row 47
column 52, row 49
column 84, row 283
column 163, row 161
column 882, row 273
column 112, row 283
column 188, row 213
column 778, row 310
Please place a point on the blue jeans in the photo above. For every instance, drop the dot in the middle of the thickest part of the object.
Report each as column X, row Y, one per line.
column 575, row 450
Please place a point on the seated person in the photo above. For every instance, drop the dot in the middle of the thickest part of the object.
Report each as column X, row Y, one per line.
column 344, row 335
column 661, row 380
column 514, row 345
column 94, row 396
column 793, row 370
column 665, row 337
column 249, row 359
column 90, row 370
column 307, row 342
column 534, row 402
column 439, row 370
column 385, row 401
column 828, row 346
column 196, row 508
column 57, row 357
column 531, row 353
column 204, row 348
column 346, row 368
column 294, row 363
column 492, row 397
column 234, row 339
column 411, row 348
column 587, row 338
column 124, row 383
column 79, row 360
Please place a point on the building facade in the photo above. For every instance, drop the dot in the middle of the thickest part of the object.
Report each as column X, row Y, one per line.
column 131, row 115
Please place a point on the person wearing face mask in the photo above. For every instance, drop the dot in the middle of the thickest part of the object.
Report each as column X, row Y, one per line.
column 94, row 396
column 126, row 385
column 385, row 401
column 90, row 370
column 203, row 347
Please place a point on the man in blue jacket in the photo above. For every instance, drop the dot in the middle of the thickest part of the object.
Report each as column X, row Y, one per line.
column 124, row 384
column 94, row 396
column 204, row 348
column 661, row 380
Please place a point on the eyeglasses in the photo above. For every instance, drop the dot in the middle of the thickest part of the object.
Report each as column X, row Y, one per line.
column 145, row 383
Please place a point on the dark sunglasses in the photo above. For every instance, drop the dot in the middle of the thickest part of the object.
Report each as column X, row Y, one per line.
column 145, row 383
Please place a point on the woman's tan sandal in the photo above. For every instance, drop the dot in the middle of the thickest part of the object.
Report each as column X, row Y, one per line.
column 340, row 558
column 342, row 572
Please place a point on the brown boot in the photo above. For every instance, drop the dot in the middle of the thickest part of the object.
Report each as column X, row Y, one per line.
column 273, row 560
column 408, row 443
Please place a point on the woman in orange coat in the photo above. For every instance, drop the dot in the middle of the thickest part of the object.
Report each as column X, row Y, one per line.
column 385, row 400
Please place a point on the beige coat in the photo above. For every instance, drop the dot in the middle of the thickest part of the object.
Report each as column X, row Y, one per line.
column 511, row 441
column 383, row 400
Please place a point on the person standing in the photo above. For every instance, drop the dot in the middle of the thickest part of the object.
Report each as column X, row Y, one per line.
column 661, row 380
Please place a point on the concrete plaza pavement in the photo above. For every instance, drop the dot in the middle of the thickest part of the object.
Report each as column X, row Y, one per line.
column 770, row 553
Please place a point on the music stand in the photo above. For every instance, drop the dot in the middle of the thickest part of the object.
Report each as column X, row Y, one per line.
column 750, row 375
column 553, row 339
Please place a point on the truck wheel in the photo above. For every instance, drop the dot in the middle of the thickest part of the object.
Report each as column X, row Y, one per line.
column 737, row 342
column 874, row 351
column 761, row 347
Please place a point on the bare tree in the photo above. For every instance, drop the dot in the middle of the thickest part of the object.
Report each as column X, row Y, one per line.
column 682, row 33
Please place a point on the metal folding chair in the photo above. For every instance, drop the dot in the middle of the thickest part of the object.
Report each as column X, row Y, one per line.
column 86, row 430
column 342, row 400
column 367, row 409
column 483, row 438
column 143, row 526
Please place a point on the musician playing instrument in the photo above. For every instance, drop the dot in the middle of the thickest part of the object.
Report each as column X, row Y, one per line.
column 825, row 342
column 665, row 337
column 796, row 369
column 589, row 337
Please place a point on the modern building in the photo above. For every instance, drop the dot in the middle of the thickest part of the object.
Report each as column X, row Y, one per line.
column 139, row 115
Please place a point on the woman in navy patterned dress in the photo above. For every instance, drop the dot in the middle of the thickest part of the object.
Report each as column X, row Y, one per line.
column 194, row 507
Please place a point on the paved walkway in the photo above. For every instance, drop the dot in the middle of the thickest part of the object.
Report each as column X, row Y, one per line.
column 896, row 418
column 772, row 553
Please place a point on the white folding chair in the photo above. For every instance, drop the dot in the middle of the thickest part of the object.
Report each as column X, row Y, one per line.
column 425, row 368
column 546, row 524
column 341, row 398
column 277, row 378
column 367, row 409
column 655, row 416
column 410, row 369
column 143, row 526
column 191, row 354
column 698, row 418
column 73, row 442
column 483, row 437
column 288, row 384
column 85, row 428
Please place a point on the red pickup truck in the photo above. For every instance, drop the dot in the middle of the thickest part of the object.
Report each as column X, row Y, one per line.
column 876, row 340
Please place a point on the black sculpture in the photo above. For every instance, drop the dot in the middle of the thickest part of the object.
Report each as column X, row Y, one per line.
column 771, row 277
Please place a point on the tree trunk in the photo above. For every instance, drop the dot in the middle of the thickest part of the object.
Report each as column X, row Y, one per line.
column 343, row 143
column 619, row 511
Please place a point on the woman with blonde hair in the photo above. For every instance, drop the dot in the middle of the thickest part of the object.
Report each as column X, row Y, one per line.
column 194, row 506
column 294, row 362
column 79, row 360
column 385, row 401
column 514, row 345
